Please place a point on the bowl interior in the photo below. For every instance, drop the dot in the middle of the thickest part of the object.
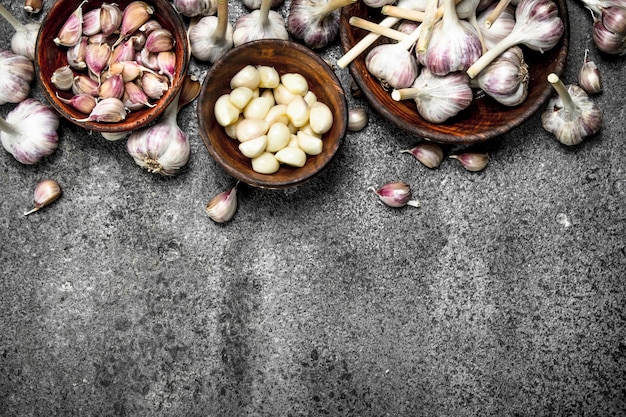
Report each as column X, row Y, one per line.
column 285, row 57
column 50, row 56
column 485, row 118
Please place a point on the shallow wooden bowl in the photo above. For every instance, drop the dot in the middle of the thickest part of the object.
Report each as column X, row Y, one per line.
column 485, row 118
column 49, row 57
column 285, row 57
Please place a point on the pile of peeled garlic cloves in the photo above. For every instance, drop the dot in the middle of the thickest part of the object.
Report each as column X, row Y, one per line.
column 118, row 61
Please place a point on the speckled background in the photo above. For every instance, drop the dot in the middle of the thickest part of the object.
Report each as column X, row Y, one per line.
column 502, row 295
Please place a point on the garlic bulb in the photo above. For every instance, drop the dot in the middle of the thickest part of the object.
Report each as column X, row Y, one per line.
column 537, row 26
column 211, row 37
column 499, row 28
column 315, row 22
column 162, row 148
column 191, row 8
column 18, row 72
column 46, row 192
column 223, row 206
column 438, row 98
column 571, row 116
column 589, row 76
column 260, row 24
column 24, row 39
column 609, row 25
column 396, row 194
column 29, row 132
column 256, row 4
column 506, row 78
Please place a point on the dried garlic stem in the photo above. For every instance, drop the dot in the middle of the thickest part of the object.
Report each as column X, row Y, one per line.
column 377, row 28
column 495, row 13
column 17, row 25
column 568, row 103
column 430, row 18
column 364, row 43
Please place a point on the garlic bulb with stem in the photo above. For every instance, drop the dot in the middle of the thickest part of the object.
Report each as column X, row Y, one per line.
column 394, row 64
column 223, row 206
column 315, row 22
column 211, row 37
column 396, row 194
column 428, row 153
column 499, row 29
column 29, row 132
column 24, row 39
column 192, row 8
column 263, row 23
column 437, row 97
column 162, row 148
column 537, row 26
column 46, row 192
column 472, row 161
column 589, row 76
column 506, row 78
column 18, row 72
column 571, row 116
column 496, row 11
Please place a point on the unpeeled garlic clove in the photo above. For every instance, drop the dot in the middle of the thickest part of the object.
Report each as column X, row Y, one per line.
column 428, row 153
column 110, row 18
column 134, row 16
column 46, row 192
column 472, row 161
column 223, row 206
column 134, row 97
column 72, row 30
column 63, row 78
column 83, row 102
column 76, row 54
column 154, row 85
column 91, row 22
column 108, row 110
column 589, row 76
column 166, row 61
column 112, row 87
column 160, row 40
column 357, row 119
column 97, row 57
column 33, row 6
column 396, row 194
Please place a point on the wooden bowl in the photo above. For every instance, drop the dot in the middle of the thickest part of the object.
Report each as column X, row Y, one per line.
column 50, row 56
column 285, row 57
column 485, row 118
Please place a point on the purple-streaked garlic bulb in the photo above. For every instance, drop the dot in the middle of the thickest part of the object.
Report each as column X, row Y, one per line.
column 437, row 97
column 315, row 22
column 256, row 4
column 18, row 72
column 24, row 39
column 500, row 27
column 263, row 23
column 211, row 37
column 191, row 8
column 506, row 78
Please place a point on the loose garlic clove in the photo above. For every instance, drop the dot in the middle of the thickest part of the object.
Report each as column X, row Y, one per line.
column 240, row 96
column 258, row 108
column 110, row 18
column 589, row 76
column 107, row 110
column 160, row 40
column 33, row 6
column 72, row 30
column 472, row 161
column 357, row 119
column 63, row 78
column 248, row 76
column 277, row 114
column 268, row 77
column 320, row 117
column 282, row 95
column 248, row 129
column 310, row 144
column 429, row 154
column 298, row 111
column 266, row 163
column 310, row 98
column 225, row 111
column 231, row 129
column 253, row 147
column 396, row 194
column 278, row 137
column 84, row 103
column 291, row 156
column 46, row 192
column 295, row 83
column 223, row 206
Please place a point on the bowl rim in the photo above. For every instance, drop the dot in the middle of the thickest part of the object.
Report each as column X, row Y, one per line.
column 149, row 114
column 251, row 177
column 453, row 138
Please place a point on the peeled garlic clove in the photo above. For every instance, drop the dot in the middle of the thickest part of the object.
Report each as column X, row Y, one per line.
column 309, row 144
column 258, row 107
column 295, row 83
column 253, row 147
column 268, row 77
column 396, row 194
column 240, row 96
column 249, row 129
column 320, row 117
column 231, row 129
column 291, row 156
column 266, row 163
column 277, row 114
column 223, row 206
column 46, row 192
column 278, row 137
column 589, row 76
column 72, row 30
column 225, row 111
column 248, row 76
column 472, row 161
column 357, row 119
column 298, row 111
column 427, row 153
column 282, row 95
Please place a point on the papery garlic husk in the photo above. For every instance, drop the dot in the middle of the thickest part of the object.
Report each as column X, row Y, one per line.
column 63, row 78
column 33, row 6
column 260, row 24
column 76, row 54
column 357, row 119
column 110, row 18
column 506, row 78
column 107, row 110
column 84, row 102
column 589, row 76
column 191, row 8
column 46, row 192
column 428, row 153
column 315, row 22
column 211, row 37
column 29, row 132
column 472, row 161
column 72, row 30
column 17, row 74
column 571, row 116
column 162, row 148
column 396, row 194
column 438, row 98
column 223, row 206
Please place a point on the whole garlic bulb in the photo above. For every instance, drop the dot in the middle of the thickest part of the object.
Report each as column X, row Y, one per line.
column 211, row 37
column 29, row 132
column 506, row 78
column 260, row 24
column 191, row 8
column 18, row 72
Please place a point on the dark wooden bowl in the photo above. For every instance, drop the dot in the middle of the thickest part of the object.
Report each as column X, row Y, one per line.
column 285, row 57
column 49, row 57
column 485, row 118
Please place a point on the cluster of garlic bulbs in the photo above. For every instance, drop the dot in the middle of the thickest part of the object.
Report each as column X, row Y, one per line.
column 118, row 61
column 275, row 117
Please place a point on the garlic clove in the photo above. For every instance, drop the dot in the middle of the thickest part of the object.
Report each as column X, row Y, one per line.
column 107, row 110
column 223, row 206
column 72, row 30
column 428, row 153
column 268, row 77
column 253, row 147
column 278, row 136
column 154, row 85
column 277, row 114
column 134, row 16
column 63, row 78
column 248, row 76
column 320, row 117
column 396, row 194
column 240, row 97
column 357, row 119
column 310, row 144
column 97, row 57
column 291, row 156
column 110, row 18
column 160, row 40
column 298, row 111
column 134, row 97
column 46, row 192
column 113, row 136
column 76, row 54
column 112, row 87
column 225, row 111
column 266, row 163
column 589, row 76
column 258, row 107
column 295, row 83
column 166, row 61
column 84, row 84
column 472, row 161
column 83, row 102
column 91, row 22
column 33, row 6
column 249, row 129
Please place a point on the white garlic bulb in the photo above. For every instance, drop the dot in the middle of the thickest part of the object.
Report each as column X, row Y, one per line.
column 18, row 72
column 260, row 24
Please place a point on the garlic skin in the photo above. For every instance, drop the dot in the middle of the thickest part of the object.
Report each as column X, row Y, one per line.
column 315, row 22
column 46, row 192
column 29, row 132
column 18, row 72
column 223, row 206
column 428, row 153
column 571, row 116
column 506, row 78
column 396, row 194
column 589, row 76
column 260, row 24
column 472, row 161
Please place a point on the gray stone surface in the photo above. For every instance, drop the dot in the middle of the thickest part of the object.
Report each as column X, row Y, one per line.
column 502, row 295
